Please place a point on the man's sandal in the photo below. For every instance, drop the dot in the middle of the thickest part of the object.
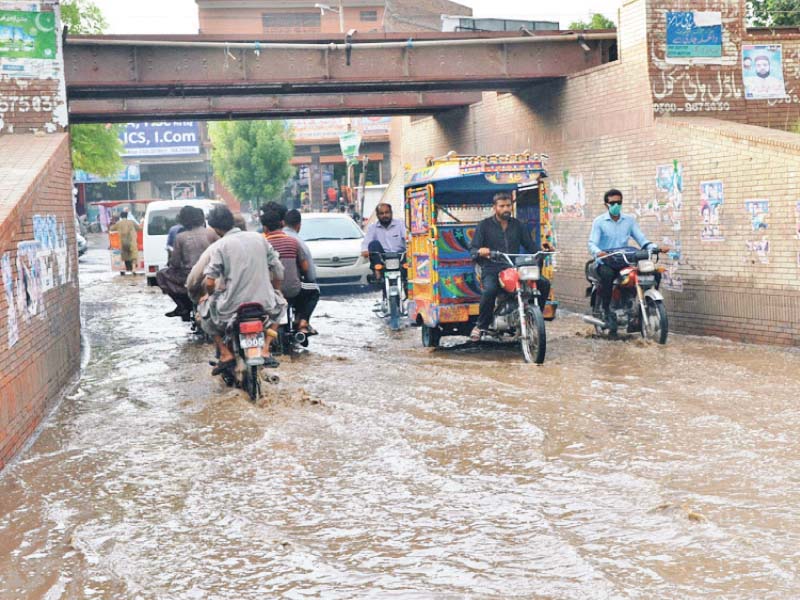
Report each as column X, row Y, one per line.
column 475, row 335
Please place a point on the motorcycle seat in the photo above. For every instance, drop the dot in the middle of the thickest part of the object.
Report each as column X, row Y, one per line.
column 251, row 310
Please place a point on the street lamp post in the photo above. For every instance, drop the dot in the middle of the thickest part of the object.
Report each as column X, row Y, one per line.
column 323, row 7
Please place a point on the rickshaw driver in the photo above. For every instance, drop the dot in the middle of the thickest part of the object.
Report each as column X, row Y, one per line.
column 500, row 233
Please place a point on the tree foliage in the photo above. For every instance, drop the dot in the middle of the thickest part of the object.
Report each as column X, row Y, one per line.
column 597, row 21
column 774, row 13
column 96, row 149
column 252, row 158
column 83, row 17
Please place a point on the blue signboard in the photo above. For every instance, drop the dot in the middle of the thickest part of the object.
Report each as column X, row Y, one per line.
column 129, row 173
column 693, row 35
column 173, row 138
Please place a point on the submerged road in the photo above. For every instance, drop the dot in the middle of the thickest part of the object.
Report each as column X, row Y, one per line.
column 381, row 469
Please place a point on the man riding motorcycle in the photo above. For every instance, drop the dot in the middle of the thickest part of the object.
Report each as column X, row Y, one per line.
column 500, row 233
column 611, row 231
column 238, row 272
column 387, row 235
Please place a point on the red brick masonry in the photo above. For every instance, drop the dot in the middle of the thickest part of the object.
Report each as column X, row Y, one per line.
column 35, row 180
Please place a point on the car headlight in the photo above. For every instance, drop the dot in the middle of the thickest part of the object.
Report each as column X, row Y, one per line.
column 646, row 266
column 530, row 273
column 393, row 264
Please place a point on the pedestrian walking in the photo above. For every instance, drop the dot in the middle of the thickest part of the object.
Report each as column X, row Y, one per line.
column 128, row 241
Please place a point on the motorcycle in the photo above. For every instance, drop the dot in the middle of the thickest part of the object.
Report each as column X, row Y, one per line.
column 636, row 302
column 290, row 340
column 246, row 338
column 517, row 313
column 393, row 305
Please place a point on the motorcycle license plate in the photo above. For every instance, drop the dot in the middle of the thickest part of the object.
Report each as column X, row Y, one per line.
column 647, row 279
column 255, row 340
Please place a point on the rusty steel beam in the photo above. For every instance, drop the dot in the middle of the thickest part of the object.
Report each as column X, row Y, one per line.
column 115, row 68
column 105, row 110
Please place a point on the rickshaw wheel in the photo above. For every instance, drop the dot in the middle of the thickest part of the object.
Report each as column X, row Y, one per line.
column 431, row 336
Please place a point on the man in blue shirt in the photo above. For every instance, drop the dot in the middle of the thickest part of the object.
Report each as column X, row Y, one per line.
column 612, row 231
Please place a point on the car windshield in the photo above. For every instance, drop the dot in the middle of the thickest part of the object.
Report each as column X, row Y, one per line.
column 330, row 229
column 159, row 222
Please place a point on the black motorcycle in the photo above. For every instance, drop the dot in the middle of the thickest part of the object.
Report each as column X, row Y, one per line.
column 246, row 338
column 393, row 305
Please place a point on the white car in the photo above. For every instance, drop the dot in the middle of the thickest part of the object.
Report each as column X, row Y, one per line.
column 159, row 218
column 335, row 243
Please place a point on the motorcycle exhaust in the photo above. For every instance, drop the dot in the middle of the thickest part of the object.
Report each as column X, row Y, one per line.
column 594, row 321
column 300, row 337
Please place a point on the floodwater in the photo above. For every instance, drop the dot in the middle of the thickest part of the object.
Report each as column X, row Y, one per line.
column 381, row 469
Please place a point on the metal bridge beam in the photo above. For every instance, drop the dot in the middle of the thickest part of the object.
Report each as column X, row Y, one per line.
column 111, row 67
column 106, row 110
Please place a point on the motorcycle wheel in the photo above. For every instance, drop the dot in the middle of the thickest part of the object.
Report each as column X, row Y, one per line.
column 534, row 345
column 252, row 384
column 431, row 336
column 394, row 312
column 657, row 322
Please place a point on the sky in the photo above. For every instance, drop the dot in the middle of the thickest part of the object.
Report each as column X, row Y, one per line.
column 180, row 16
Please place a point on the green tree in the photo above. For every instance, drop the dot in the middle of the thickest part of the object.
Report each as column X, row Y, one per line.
column 252, row 158
column 774, row 13
column 83, row 17
column 597, row 21
column 96, row 149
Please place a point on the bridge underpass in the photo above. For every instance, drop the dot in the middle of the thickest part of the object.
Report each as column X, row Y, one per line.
column 113, row 78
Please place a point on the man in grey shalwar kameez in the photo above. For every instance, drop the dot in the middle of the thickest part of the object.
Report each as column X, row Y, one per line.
column 238, row 272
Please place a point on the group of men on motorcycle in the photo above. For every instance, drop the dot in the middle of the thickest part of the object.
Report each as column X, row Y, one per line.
column 217, row 270
column 503, row 233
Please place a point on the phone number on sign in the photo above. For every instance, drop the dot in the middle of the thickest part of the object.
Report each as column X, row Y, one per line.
column 671, row 107
column 27, row 103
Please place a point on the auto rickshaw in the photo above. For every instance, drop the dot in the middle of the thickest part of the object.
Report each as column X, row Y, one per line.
column 444, row 202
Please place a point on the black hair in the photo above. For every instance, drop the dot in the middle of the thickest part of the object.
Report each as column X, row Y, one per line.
column 123, row 214
column 502, row 196
column 279, row 208
column 220, row 217
column 611, row 192
column 271, row 218
column 185, row 217
column 293, row 218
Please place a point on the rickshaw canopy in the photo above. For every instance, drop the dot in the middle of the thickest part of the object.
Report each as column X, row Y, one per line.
column 476, row 179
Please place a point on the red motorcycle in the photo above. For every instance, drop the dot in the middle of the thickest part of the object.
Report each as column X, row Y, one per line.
column 517, row 313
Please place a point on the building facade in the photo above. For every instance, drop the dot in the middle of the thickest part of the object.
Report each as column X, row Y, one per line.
column 280, row 17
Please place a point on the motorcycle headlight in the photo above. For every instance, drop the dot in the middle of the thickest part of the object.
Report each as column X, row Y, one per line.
column 393, row 264
column 530, row 273
column 646, row 266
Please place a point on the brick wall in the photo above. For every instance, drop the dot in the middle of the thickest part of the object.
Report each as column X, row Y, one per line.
column 30, row 104
column 718, row 89
column 601, row 131
column 40, row 326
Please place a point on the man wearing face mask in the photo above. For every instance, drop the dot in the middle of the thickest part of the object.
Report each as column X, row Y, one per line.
column 612, row 231
column 500, row 233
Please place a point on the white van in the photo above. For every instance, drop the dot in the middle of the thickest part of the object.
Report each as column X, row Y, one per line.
column 159, row 218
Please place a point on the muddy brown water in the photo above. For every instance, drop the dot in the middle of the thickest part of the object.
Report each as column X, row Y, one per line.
column 381, row 469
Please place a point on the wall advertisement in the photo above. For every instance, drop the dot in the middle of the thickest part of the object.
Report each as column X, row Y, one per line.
column 28, row 46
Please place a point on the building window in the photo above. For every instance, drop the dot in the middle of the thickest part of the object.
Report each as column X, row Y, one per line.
column 297, row 22
column 369, row 16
